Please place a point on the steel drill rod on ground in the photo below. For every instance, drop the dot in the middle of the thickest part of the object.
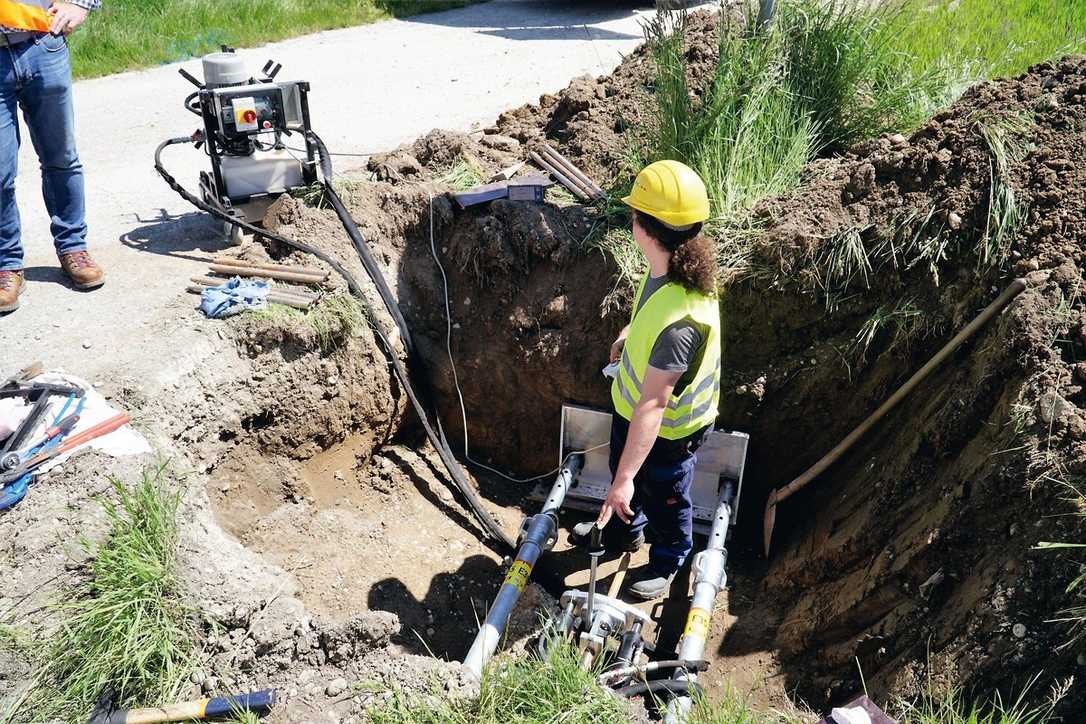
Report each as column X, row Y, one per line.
column 710, row 577
column 578, row 176
column 541, row 528
column 1009, row 295
column 558, row 176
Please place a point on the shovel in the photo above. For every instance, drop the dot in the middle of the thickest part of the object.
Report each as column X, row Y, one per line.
column 775, row 497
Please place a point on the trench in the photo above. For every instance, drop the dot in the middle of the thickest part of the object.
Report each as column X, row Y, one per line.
column 886, row 566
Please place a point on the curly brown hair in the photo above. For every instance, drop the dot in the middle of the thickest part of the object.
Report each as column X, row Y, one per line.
column 693, row 262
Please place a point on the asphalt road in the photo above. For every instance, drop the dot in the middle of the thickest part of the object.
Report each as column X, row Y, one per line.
column 374, row 87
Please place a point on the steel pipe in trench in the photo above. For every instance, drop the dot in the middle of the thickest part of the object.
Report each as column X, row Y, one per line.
column 541, row 529
column 710, row 576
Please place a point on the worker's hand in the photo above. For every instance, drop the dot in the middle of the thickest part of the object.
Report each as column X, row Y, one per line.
column 617, row 345
column 618, row 502
column 66, row 18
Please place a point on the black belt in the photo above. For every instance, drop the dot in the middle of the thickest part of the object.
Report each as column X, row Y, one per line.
column 13, row 40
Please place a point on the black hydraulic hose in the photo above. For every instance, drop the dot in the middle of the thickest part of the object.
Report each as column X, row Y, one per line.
column 665, row 686
column 360, row 245
column 490, row 526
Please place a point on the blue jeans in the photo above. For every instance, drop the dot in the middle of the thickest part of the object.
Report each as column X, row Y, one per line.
column 36, row 76
column 661, row 500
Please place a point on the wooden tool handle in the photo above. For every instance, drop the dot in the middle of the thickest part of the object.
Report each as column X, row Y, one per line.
column 242, row 271
column 620, row 576
column 308, row 270
column 1013, row 290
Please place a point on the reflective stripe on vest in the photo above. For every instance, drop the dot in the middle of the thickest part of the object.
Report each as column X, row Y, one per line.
column 696, row 407
column 25, row 17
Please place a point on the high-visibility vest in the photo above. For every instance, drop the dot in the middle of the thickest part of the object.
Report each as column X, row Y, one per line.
column 696, row 406
column 25, row 16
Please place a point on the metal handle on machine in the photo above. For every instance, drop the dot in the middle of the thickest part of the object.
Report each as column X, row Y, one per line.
column 595, row 550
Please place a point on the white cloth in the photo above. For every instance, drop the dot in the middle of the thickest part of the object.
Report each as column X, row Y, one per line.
column 96, row 409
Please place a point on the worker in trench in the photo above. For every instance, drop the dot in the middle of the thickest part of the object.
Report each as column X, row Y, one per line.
column 666, row 386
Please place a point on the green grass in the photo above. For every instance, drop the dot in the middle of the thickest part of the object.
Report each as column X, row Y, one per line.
column 330, row 321
column 126, row 626
column 828, row 73
column 1074, row 616
column 903, row 322
column 975, row 39
column 129, row 34
column 464, row 174
column 514, row 691
column 955, row 708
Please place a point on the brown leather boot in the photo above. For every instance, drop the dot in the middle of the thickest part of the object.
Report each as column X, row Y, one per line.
column 82, row 270
column 12, row 285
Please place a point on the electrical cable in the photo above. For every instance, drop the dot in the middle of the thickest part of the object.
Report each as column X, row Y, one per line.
column 490, row 526
column 456, row 378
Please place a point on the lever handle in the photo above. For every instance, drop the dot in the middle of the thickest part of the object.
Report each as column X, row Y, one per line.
column 595, row 546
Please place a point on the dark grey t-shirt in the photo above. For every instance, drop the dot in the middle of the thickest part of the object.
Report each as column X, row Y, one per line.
column 679, row 347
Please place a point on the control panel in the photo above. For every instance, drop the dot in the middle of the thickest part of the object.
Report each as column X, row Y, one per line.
column 251, row 110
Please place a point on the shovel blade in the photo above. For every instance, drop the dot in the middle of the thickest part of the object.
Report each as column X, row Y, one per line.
column 769, row 520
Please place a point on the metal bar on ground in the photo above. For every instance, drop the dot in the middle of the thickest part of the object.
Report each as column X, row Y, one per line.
column 542, row 527
column 575, row 173
column 710, row 577
column 558, row 175
column 242, row 271
column 550, row 156
column 308, row 270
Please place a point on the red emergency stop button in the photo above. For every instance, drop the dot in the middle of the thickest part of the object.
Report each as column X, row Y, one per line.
column 249, row 116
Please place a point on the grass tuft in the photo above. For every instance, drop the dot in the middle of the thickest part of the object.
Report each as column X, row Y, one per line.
column 464, row 174
column 1003, row 136
column 330, row 321
column 904, row 322
column 515, row 690
column 126, row 626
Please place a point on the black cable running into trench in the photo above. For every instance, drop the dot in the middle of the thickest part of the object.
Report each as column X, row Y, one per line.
column 460, row 481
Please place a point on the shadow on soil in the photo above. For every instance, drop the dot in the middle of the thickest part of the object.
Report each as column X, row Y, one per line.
column 177, row 235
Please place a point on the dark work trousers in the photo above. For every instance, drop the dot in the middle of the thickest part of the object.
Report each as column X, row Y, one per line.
column 661, row 499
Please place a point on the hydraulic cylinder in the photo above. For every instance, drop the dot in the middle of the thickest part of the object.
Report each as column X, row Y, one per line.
column 710, row 577
column 539, row 535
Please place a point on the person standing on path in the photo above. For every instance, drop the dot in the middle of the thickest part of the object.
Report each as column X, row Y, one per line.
column 666, row 389
column 35, row 75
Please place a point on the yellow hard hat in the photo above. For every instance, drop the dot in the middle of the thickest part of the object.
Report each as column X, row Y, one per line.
column 671, row 192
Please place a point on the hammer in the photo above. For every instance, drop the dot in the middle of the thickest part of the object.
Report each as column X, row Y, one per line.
column 106, row 712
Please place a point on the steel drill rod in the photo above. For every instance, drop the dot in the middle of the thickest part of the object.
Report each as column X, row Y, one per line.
column 558, row 175
column 575, row 174
column 541, row 528
column 244, row 271
column 710, row 577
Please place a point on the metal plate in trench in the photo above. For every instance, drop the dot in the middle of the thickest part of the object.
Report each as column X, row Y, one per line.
column 723, row 455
